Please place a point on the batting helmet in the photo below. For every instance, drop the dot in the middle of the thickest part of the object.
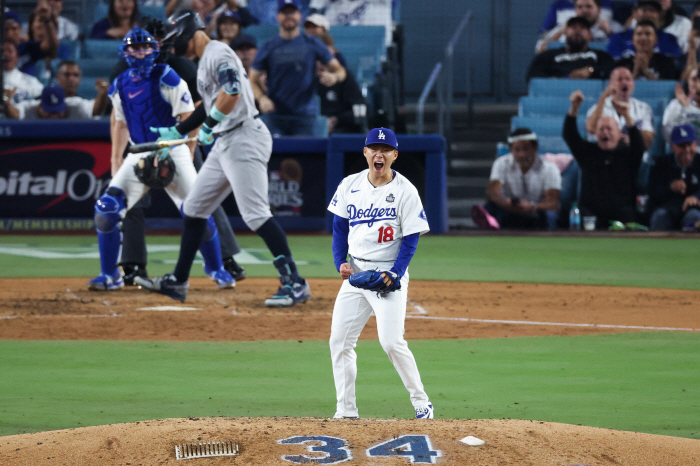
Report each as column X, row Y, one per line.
column 181, row 28
column 139, row 58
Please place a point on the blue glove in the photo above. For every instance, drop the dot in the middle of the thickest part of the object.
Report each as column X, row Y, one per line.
column 205, row 135
column 166, row 134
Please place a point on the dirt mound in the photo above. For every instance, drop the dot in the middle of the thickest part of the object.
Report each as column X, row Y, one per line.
column 437, row 441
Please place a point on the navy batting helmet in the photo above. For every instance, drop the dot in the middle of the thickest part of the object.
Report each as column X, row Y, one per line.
column 139, row 49
column 180, row 29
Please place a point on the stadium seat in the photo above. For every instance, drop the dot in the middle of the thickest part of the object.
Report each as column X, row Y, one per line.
column 549, row 106
column 551, row 87
column 593, row 45
column 87, row 88
column 98, row 67
column 262, row 32
column 101, row 8
column 654, row 89
column 546, row 126
column 94, row 48
column 552, row 145
column 72, row 49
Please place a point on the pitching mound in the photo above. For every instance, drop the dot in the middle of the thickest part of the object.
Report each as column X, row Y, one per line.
column 266, row 441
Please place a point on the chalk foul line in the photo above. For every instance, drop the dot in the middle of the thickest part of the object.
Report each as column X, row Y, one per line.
column 555, row 324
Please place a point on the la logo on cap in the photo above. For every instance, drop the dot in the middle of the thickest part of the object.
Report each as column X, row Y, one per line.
column 54, row 99
column 381, row 135
column 684, row 133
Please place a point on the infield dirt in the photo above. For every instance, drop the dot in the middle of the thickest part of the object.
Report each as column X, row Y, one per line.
column 63, row 309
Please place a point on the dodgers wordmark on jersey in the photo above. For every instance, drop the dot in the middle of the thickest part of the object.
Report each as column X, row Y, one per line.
column 220, row 67
column 379, row 217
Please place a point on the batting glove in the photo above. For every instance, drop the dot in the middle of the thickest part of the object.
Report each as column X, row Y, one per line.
column 167, row 134
column 205, row 135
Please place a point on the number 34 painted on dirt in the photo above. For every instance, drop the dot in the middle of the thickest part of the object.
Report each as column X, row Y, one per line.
column 416, row 449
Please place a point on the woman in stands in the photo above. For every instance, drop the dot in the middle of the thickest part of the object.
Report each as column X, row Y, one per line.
column 121, row 18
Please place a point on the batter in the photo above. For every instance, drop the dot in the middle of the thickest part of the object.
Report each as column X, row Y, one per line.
column 378, row 220
column 146, row 94
column 237, row 161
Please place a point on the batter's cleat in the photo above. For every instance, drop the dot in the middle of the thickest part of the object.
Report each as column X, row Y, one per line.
column 290, row 294
column 338, row 416
column 222, row 278
column 167, row 285
column 104, row 282
column 424, row 412
column 132, row 271
column 234, row 268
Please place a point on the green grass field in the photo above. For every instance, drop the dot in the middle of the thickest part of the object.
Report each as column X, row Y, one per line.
column 645, row 382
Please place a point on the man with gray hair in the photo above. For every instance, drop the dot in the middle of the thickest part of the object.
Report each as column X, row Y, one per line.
column 523, row 190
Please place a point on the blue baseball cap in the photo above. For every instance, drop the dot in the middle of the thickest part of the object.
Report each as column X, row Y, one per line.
column 11, row 16
column 682, row 134
column 382, row 136
column 229, row 14
column 53, row 99
column 283, row 3
column 244, row 40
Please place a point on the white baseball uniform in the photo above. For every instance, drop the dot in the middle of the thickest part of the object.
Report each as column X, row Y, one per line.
column 185, row 174
column 238, row 159
column 379, row 218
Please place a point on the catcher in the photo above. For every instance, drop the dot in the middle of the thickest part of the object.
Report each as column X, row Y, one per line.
column 145, row 95
column 378, row 219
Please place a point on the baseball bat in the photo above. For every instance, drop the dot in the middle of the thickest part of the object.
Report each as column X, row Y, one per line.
column 151, row 146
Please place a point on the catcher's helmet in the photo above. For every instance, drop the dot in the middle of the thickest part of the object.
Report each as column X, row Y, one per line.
column 140, row 59
column 181, row 28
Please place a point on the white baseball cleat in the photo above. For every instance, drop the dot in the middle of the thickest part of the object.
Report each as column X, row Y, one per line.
column 424, row 412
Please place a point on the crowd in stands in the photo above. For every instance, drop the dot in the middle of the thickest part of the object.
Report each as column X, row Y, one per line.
column 294, row 95
column 625, row 180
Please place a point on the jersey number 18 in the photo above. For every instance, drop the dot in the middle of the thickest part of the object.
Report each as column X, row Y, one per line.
column 385, row 234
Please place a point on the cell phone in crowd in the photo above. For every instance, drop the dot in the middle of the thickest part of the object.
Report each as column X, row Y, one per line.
column 696, row 23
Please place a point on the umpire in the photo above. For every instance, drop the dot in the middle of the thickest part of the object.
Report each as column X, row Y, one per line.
column 134, row 255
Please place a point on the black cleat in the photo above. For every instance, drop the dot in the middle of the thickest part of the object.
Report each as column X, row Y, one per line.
column 232, row 267
column 132, row 271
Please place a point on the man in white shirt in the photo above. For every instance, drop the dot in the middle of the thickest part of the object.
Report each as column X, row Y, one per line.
column 621, row 88
column 523, row 190
column 357, row 13
column 52, row 105
column 68, row 76
column 20, row 85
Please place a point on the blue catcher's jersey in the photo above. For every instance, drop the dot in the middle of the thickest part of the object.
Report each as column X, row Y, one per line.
column 143, row 103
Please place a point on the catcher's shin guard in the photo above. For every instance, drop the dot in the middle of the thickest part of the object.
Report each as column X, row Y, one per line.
column 108, row 210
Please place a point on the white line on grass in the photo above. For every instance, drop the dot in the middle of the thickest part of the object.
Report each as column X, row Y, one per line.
column 555, row 324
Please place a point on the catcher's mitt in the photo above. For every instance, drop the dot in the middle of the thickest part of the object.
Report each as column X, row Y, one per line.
column 155, row 177
column 372, row 280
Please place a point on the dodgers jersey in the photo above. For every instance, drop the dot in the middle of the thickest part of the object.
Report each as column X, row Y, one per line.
column 378, row 217
column 219, row 67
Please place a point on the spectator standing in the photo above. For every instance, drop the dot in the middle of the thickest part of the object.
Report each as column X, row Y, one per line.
column 357, row 13
column 620, row 89
column 68, row 76
column 122, row 16
column 67, row 29
column 621, row 46
column 560, row 11
column 675, row 24
column 590, row 10
column 52, row 105
column 674, row 184
column 43, row 39
column 575, row 60
column 645, row 63
column 609, row 166
column 19, row 86
column 246, row 47
column 684, row 109
column 343, row 103
column 523, row 190
column 289, row 60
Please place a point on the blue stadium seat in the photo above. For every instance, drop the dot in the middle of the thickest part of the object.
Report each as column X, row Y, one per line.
column 593, row 45
column 654, row 89
column 100, row 11
column 87, row 88
column 363, row 48
column 98, row 67
column 550, row 87
column 73, row 49
column 552, row 144
column 94, row 48
column 546, row 126
column 549, row 106
column 262, row 32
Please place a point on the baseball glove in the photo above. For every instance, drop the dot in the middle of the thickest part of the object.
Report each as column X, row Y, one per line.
column 372, row 280
column 155, row 177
